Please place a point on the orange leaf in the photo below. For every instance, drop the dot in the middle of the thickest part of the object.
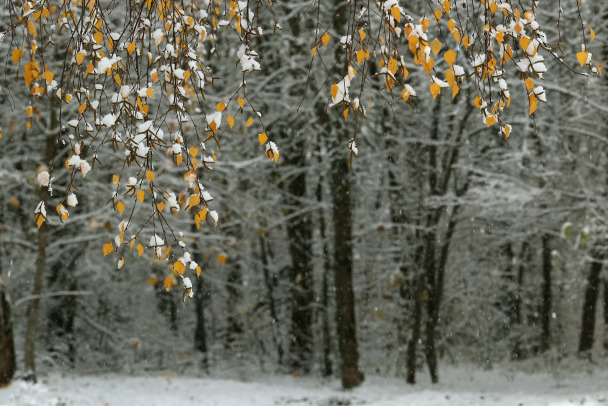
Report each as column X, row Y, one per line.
column 455, row 90
column 160, row 207
column 16, row 54
column 437, row 14
column 98, row 37
column 80, row 57
column 131, row 47
column 115, row 179
column 450, row 57
column 221, row 259
column 592, row 33
column 241, row 102
column 524, row 42
column 120, row 206
column 582, row 57
column 262, row 138
column 150, row 176
column 249, row 121
column 107, row 248
column 198, row 271
column 140, row 250
column 193, row 151
column 168, row 282
column 436, row 45
column 141, row 195
column 193, row 201
column 362, row 34
column 179, row 267
column 396, row 13
column 490, row 120
column 48, row 75
column 435, row 89
column 325, row 39
column 529, row 84
column 230, row 121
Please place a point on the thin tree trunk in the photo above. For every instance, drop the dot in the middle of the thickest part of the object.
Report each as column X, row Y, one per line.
column 416, row 325
column 546, row 305
column 200, row 333
column 605, row 309
column 276, row 335
column 517, row 317
column 591, row 294
column 7, row 346
column 327, row 366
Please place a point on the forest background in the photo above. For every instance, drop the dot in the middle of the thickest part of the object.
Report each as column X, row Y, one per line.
column 458, row 245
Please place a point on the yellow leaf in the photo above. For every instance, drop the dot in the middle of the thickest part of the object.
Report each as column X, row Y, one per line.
column 16, row 54
column 31, row 28
column 446, row 6
column 98, row 37
column 140, row 195
column 193, row 201
column 213, row 126
column 80, row 57
column 230, row 121
column 262, row 138
column 39, row 219
column 249, row 121
column 325, row 39
column 241, row 102
column 140, row 250
column 465, row 40
column 437, row 14
column 220, row 106
column 152, row 281
column 435, row 89
column 425, row 24
column 90, row 68
column 154, row 77
column 490, row 120
column 529, row 84
column 450, row 57
column 507, row 131
column 396, row 13
column 477, row 102
column 29, row 110
column 334, row 90
column 168, row 282
column 120, row 206
column 436, row 46
column 345, row 114
column 532, row 98
column 449, row 77
column 160, row 207
column 107, row 248
column 121, row 262
column 48, row 75
column 392, row 66
column 193, row 151
column 582, row 57
column 493, row 7
column 362, row 34
column 524, row 42
column 314, row 51
column 115, row 179
column 179, row 267
column 150, row 176
column 131, row 47
column 198, row 271
column 455, row 90
column 221, row 259
column 428, row 65
column 451, row 25
column 82, row 108
column 592, row 33
column 360, row 56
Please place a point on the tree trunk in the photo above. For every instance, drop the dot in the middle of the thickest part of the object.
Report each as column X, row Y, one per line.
column 591, row 293
column 274, row 319
column 546, row 305
column 7, row 346
column 517, row 316
column 299, row 231
column 200, row 333
column 327, row 366
column 343, row 274
column 32, row 313
column 605, row 309
column 416, row 325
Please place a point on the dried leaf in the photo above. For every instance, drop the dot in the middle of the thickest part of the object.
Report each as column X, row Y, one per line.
column 262, row 138
column 140, row 195
column 107, row 248
column 325, row 39
column 168, row 282
column 179, row 267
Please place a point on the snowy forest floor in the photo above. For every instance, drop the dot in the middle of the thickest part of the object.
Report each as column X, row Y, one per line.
column 461, row 385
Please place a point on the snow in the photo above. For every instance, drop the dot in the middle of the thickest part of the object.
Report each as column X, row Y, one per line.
column 462, row 386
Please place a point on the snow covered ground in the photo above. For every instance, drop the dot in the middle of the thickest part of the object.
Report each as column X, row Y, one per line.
column 461, row 386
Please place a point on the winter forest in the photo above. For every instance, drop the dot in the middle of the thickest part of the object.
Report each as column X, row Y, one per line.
column 303, row 202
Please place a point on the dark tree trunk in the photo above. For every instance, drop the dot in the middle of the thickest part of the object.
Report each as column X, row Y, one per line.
column 605, row 309
column 7, row 346
column 343, row 274
column 200, row 332
column 299, row 231
column 234, row 284
column 517, row 317
column 416, row 325
column 274, row 319
column 327, row 366
column 546, row 305
column 591, row 294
